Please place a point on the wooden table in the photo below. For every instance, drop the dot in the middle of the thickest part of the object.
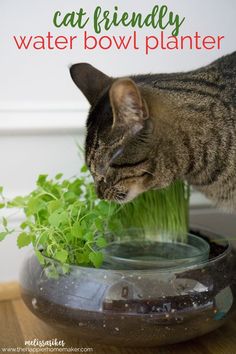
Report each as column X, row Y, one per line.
column 18, row 324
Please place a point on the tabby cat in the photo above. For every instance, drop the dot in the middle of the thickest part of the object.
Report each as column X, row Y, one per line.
column 145, row 131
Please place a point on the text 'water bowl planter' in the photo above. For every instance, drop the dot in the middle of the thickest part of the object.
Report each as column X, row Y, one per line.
column 129, row 306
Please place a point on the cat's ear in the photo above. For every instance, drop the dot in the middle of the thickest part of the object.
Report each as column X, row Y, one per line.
column 129, row 108
column 89, row 80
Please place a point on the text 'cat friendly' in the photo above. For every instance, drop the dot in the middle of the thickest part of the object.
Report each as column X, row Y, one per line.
column 159, row 17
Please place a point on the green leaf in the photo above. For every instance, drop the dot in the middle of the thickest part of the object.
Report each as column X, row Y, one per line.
column 2, row 205
column 96, row 258
column 55, row 205
column 24, row 225
column 115, row 225
column 18, row 202
column 4, row 221
column 3, row 235
column 103, row 207
column 41, row 180
column 70, row 196
column 58, row 176
column 40, row 257
column 33, row 239
column 43, row 238
column 23, row 239
column 101, row 242
column 84, row 169
column 35, row 205
column 61, row 256
column 57, row 218
column 1, row 189
column 65, row 184
column 81, row 258
column 76, row 230
column 88, row 236
column 65, row 268
column 75, row 187
column 99, row 224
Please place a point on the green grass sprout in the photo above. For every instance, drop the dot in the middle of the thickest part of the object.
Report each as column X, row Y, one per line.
column 158, row 214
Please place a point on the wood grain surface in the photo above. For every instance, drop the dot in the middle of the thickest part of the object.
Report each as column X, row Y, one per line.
column 18, row 324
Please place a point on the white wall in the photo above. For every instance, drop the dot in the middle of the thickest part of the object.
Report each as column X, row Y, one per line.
column 26, row 156
column 41, row 111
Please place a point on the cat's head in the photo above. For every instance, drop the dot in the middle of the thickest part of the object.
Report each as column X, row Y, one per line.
column 118, row 145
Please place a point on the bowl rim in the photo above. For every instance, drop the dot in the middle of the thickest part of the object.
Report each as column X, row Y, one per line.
column 202, row 243
column 180, row 268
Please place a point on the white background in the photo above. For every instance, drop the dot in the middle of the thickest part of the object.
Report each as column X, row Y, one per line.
column 42, row 113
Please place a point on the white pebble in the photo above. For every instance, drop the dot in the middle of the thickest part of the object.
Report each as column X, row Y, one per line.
column 34, row 303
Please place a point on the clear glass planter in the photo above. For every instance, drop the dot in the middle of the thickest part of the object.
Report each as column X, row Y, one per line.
column 135, row 307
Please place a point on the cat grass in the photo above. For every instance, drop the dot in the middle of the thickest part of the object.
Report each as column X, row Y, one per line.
column 162, row 215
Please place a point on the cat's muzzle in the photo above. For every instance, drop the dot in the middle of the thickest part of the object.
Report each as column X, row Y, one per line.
column 109, row 192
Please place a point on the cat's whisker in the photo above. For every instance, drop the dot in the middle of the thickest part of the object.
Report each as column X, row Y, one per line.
column 120, row 196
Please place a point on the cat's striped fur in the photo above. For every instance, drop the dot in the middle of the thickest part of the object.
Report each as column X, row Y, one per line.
column 148, row 130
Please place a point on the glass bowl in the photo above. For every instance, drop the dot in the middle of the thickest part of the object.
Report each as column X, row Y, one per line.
column 135, row 307
column 128, row 252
